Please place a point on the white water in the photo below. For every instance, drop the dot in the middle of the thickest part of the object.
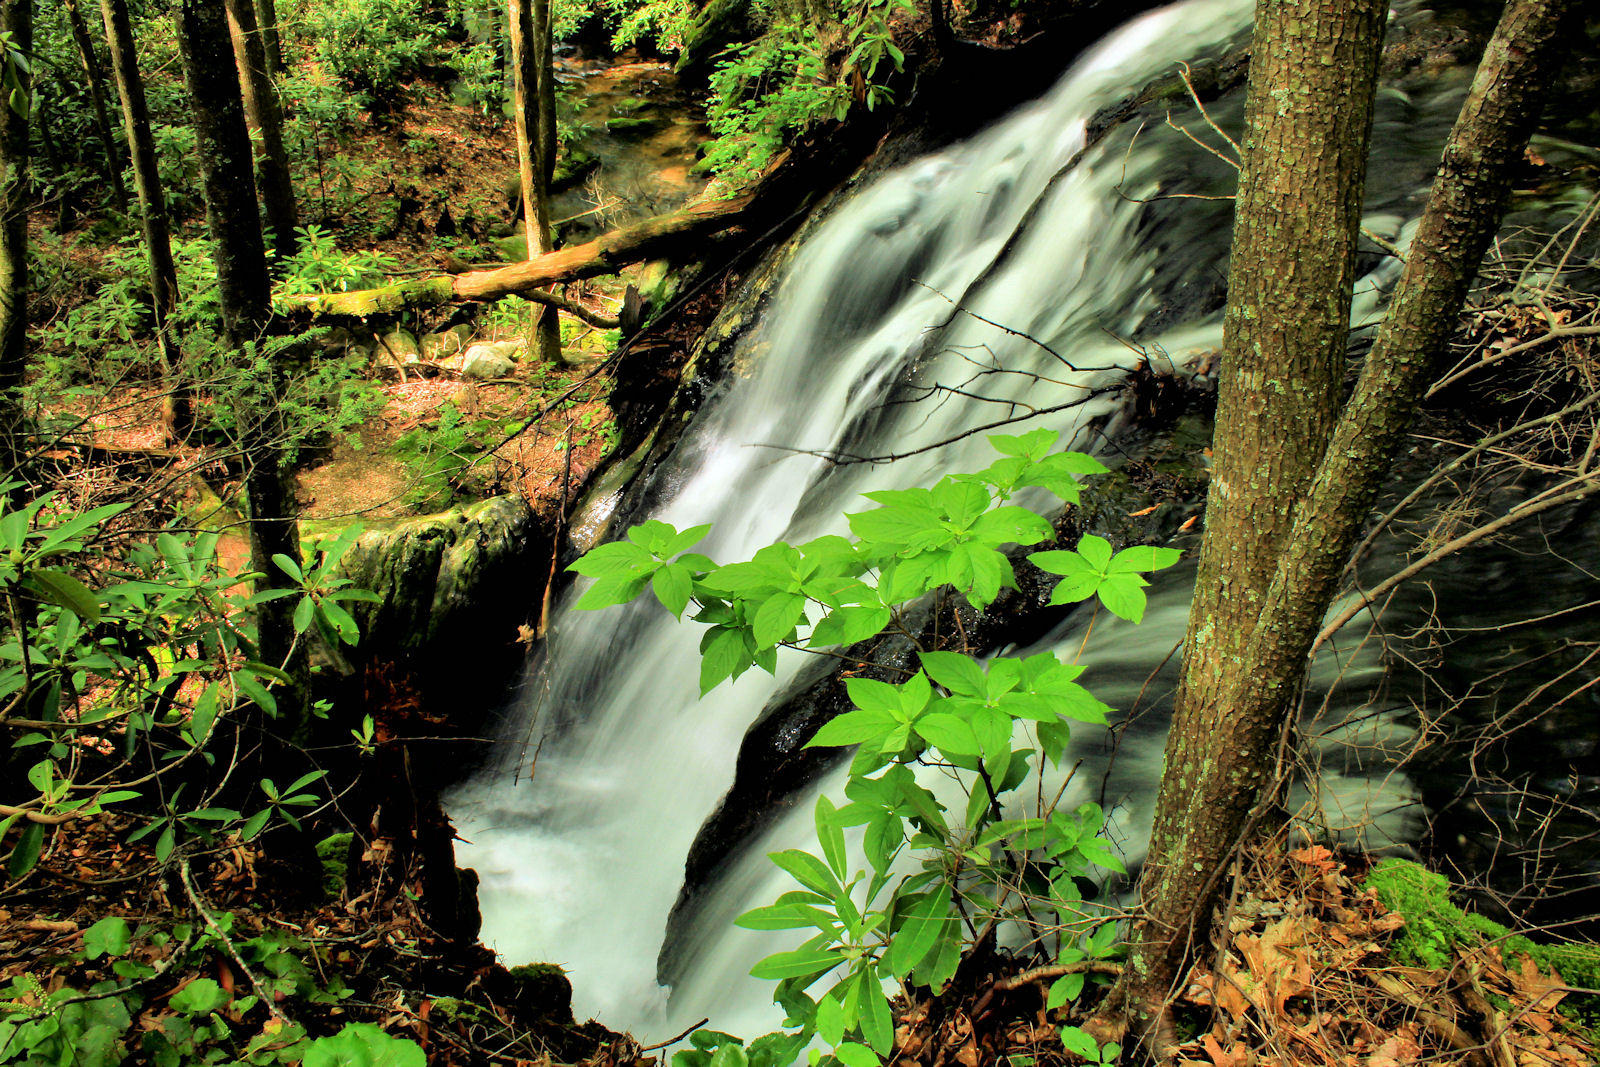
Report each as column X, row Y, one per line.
column 581, row 865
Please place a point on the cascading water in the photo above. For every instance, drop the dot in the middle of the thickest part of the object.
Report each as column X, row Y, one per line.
column 581, row 864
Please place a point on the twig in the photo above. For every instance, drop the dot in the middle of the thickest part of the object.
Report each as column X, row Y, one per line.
column 262, row 992
column 675, row 1040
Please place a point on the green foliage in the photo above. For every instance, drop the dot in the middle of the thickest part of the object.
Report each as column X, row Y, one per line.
column 442, row 456
column 116, row 1021
column 102, row 643
column 319, row 266
column 973, row 865
column 370, row 46
column 770, row 90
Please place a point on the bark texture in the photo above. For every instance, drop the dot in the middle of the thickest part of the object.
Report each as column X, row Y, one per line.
column 16, row 17
column 152, row 199
column 97, row 100
column 235, row 227
column 267, row 19
column 1308, row 116
column 263, row 113
column 1249, row 639
column 528, row 56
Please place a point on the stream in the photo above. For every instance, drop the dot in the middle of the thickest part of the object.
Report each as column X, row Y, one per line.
column 920, row 281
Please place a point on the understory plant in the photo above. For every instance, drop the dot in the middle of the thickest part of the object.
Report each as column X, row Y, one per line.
column 951, row 830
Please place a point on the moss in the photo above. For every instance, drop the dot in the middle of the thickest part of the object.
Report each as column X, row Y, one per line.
column 1435, row 927
column 543, row 991
column 334, row 854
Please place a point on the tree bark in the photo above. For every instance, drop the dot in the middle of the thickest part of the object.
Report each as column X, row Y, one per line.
column 530, row 71
column 16, row 194
column 1231, row 709
column 654, row 238
column 231, row 217
column 152, row 203
column 1313, row 76
column 264, row 115
column 97, row 101
column 267, row 19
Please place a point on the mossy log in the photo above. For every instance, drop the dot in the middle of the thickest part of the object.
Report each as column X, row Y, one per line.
column 654, row 238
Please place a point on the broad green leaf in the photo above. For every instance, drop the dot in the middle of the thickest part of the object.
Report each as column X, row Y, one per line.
column 800, row 963
column 723, row 652
column 1011, row 525
column 611, row 558
column 1123, row 596
column 303, row 614
column 949, row 733
column 289, row 567
column 926, row 921
column 853, row 728
column 1080, row 1044
column 847, row 625
column 62, row 589
column 198, row 997
column 729, row 1054
column 877, row 1024
column 853, row 1055
column 673, row 585
column 776, row 618
column 25, row 853
column 807, row 870
column 1064, row 990
column 1143, row 558
column 830, row 1019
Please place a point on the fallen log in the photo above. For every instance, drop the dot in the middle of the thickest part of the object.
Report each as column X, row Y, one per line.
column 653, row 238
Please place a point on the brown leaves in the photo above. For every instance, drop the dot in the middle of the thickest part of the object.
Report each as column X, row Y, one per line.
column 1301, row 976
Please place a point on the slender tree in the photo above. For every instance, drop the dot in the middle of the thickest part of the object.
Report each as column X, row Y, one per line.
column 152, row 202
column 16, row 20
column 97, row 100
column 528, row 56
column 266, row 117
column 231, row 217
column 1294, row 476
column 267, row 19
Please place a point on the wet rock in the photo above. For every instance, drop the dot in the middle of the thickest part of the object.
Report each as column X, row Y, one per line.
column 448, row 582
column 490, row 359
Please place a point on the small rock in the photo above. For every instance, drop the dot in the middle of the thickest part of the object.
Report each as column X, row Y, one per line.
column 490, row 359
column 400, row 343
column 436, row 346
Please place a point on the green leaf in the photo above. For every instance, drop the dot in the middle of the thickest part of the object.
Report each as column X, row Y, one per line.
column 363, row 1045
column 853, row 1055
column 957, row 673
column 60, row 588
column 673, row 585
column 1011, row 525
column 784, row 917
column 853, row 728
column 830, row 835
column 927, row 920
column 1096, row 551
column 1064, row 990
column 1080, row 1044
column 303, row 614
column 807, row 870
column 289, row 567
column 1123, row 596
column 723, row 654
column 1143, row 558
column 830, row 1019
column 801, row 963
column 198, row 997
column 847, row 625
column 611, row 558
column 776, row 618
column 949, row 733
column 25, row 853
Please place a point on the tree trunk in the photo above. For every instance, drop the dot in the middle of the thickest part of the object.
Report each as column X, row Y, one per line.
column 16, row 18
column 97, row 100
column 1313, row 76
column 655, row 238
column 224, row 149
column 1231, row 709
column 262, row 111
column 530, row 70
column 152, row 203
column 267, row 19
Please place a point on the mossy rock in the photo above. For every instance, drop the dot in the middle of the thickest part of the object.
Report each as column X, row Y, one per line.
column 440, row 576
column 1435, row 927
column 572, row 166
column 634, row 126
column 542, row 991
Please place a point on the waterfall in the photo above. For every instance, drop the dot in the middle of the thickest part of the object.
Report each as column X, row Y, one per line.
column 1032, row 231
